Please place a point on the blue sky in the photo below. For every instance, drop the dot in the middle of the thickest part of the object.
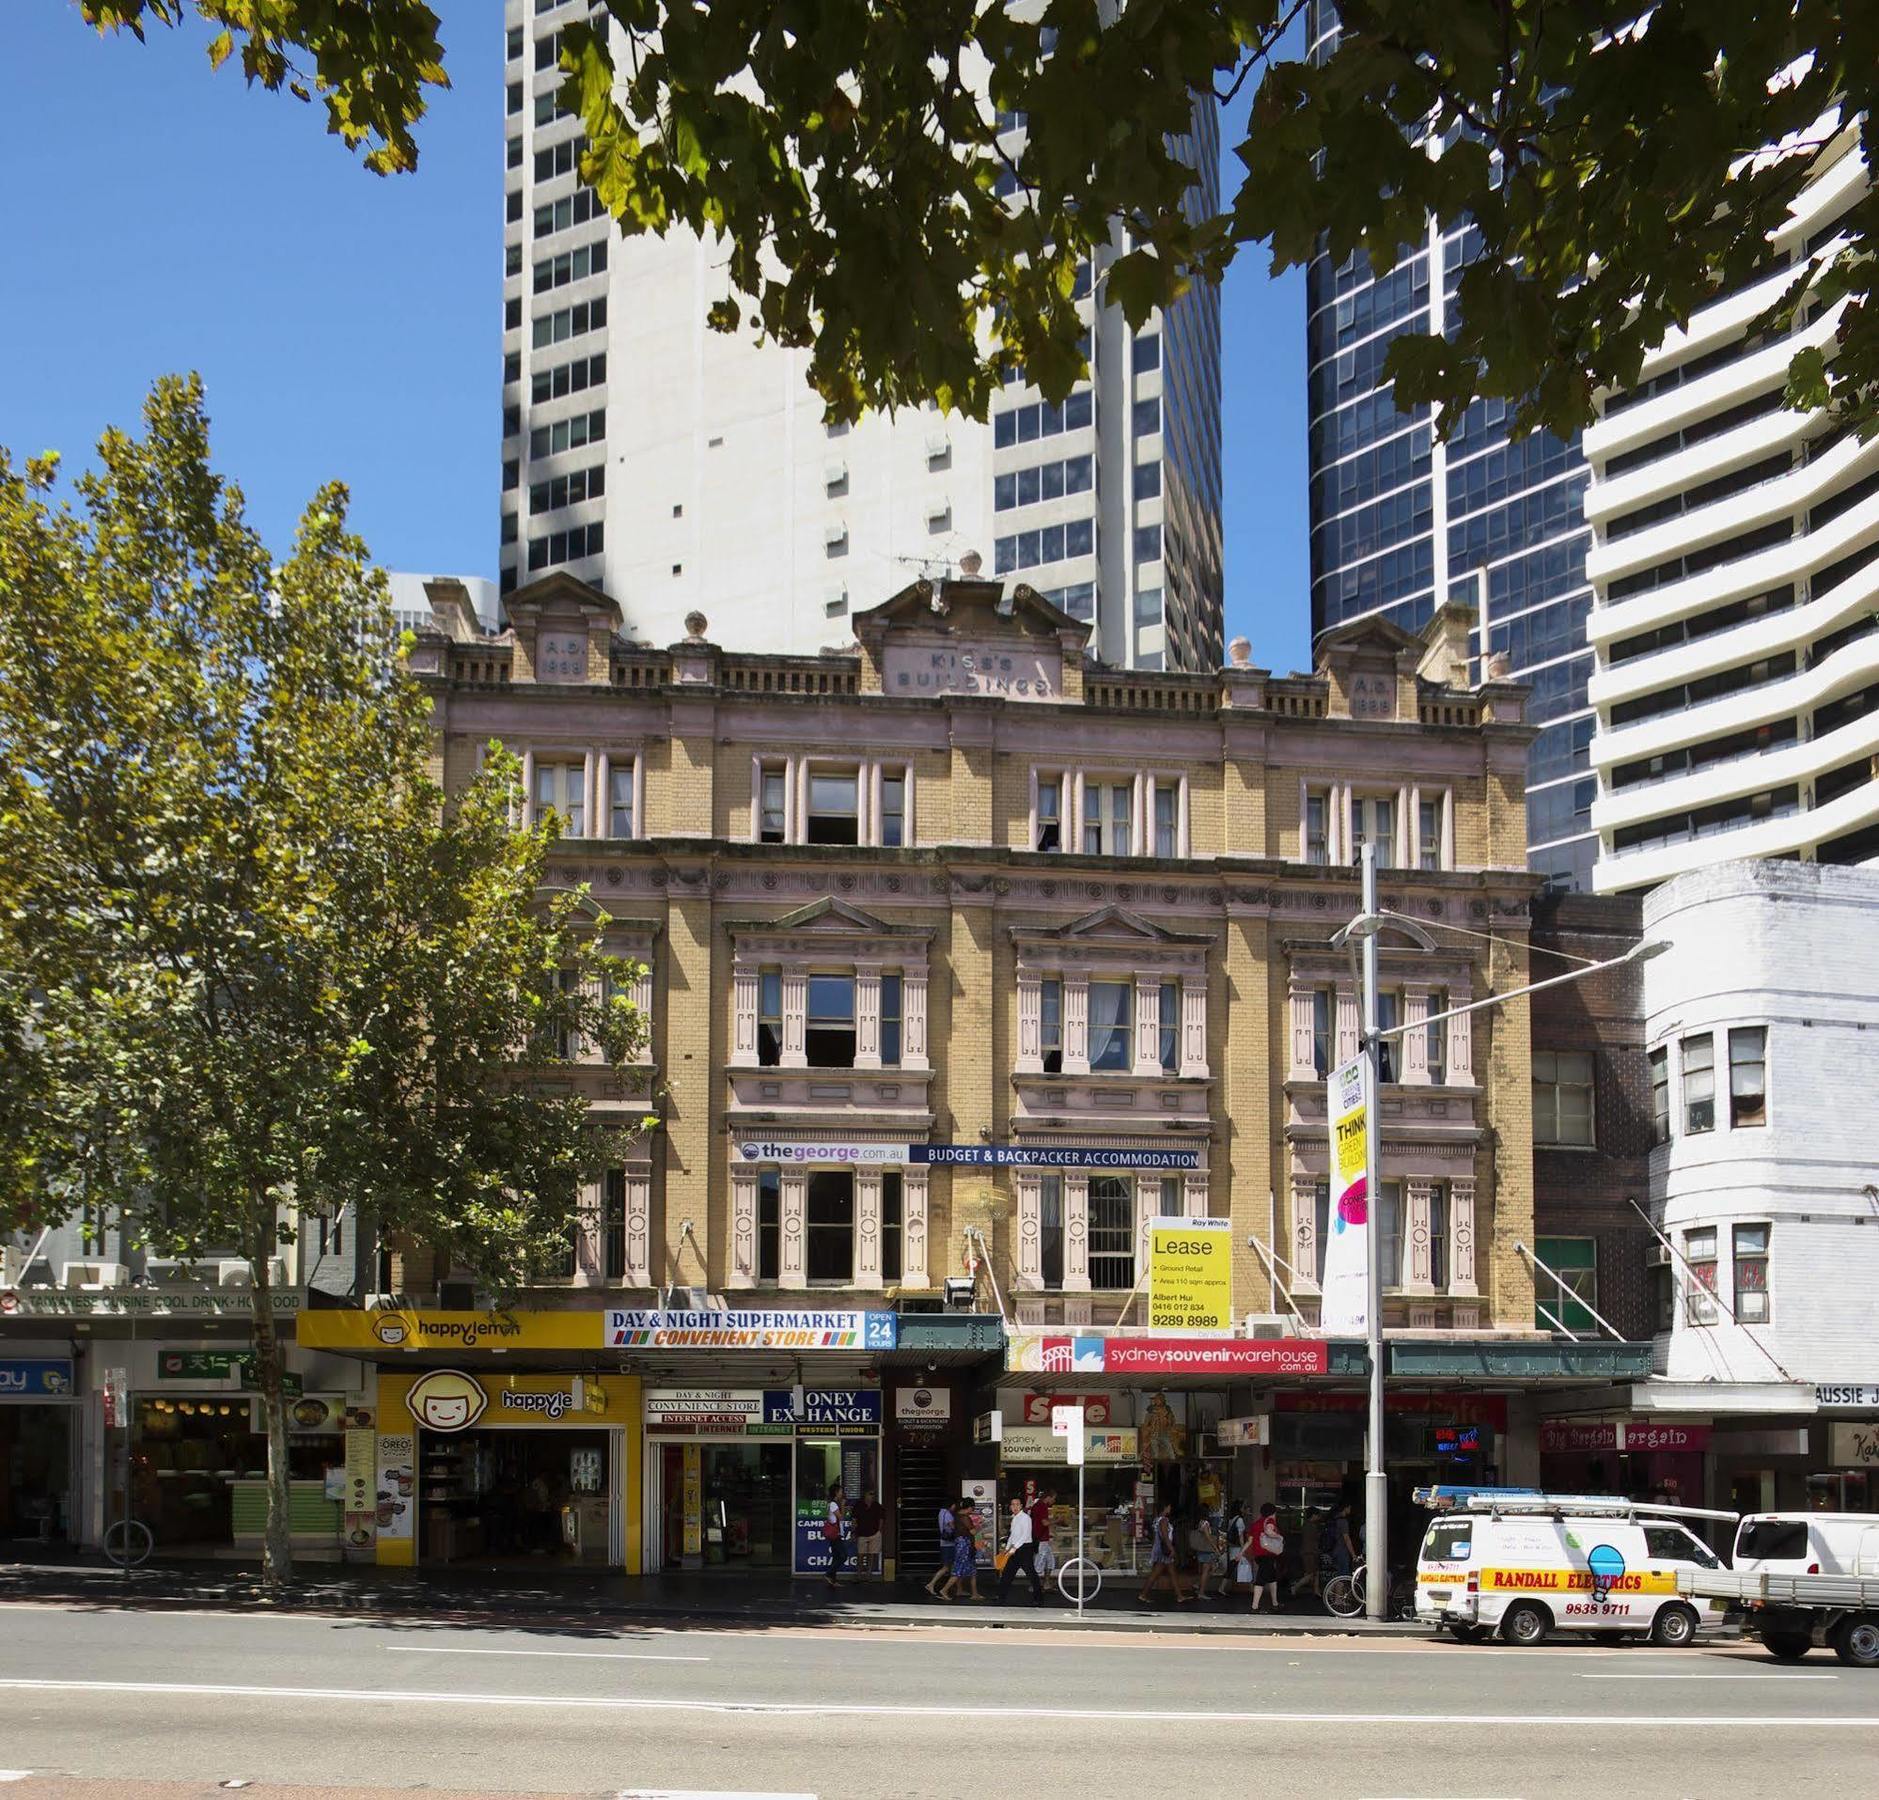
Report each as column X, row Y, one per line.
column 163, row 217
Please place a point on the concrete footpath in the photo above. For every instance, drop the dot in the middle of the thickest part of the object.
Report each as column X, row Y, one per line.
column 593, row 1601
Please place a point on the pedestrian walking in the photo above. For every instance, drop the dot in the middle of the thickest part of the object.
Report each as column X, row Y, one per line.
column 867, row 1519
column 1041, row 1509
column 1020, row 1553
column 1343, row 1541
column 832, row 1521
column 965, row 1554
column 948, row 1537
column 1269, row 1541
column 1161, row 1563
column 1216, row 1546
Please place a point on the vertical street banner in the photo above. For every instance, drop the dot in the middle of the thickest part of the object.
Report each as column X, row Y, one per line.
column 1190, row 1274
column 1345, row 1308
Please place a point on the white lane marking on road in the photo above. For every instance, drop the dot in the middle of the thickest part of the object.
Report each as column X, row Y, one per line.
column 491, row 1650
column 14, row 1774
column 1734, row 1675
column 822, row 1709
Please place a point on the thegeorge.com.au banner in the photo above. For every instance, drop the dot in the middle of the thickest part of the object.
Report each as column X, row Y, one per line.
column 1346, row 1284
column 984, row 1156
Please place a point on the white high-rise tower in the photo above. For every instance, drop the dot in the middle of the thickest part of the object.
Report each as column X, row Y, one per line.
column 681, row 469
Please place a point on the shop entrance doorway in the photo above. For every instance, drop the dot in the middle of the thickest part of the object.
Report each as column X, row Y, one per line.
column 36, row 1472
column 725, row 1505
column 516, row 1496
column 820, row 1463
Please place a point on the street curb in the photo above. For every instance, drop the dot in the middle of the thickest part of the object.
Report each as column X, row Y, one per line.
column 406, row 1608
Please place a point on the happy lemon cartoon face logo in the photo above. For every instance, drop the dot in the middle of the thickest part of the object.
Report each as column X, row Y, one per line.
column 389, row 1330
column 447, row 1400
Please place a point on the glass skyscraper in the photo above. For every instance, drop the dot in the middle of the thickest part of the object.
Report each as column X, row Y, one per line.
column 1400, row 520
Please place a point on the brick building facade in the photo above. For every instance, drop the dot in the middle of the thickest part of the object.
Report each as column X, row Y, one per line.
column 1592, row 1105
column 959, row 945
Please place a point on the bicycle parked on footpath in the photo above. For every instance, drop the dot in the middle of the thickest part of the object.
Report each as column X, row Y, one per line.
column 1345, row 1597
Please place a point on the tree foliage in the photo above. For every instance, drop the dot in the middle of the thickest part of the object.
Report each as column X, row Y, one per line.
column 371, row 59
column 1604, row 165
column 253, row 965
column 849, row 157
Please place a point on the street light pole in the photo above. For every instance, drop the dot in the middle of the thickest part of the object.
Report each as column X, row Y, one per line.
column 1363, row 930
column 1376, row 1481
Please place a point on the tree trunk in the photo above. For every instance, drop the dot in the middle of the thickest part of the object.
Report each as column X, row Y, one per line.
column 278, row 1552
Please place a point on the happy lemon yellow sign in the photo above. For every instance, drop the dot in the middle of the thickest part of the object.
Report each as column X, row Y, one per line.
column 1190, row 1275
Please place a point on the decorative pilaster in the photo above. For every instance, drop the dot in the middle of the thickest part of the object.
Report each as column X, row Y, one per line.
column 867, row 1015
column 795, row 1207
column 1349, row 1026
column 1194, row 1193
column 1076, row 1232
column 1075, row 797
column 1147, row 1025
column 1030, row 1231
column 1147, row 1206
column 1304, row 1233
column 1415, row 1040
column 638, row 1224
column 1193, row 1020
column 913, row 1228
column 642, row 999
column 1299, row 1011
column 913, row 1019
column 1419, row 1196
column 600, row 807
column 1076, row 1024
column 1460, row 1042
column 743, row 1012
column 868, row 1228
column 528, row 788
column 795, row 1018
column 1030, row 1022
column 743, row 1272
column 1461, row 1279
column 589, row 1266
column 589, row 768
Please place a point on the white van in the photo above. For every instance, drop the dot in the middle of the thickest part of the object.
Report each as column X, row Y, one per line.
column 1807, row 1543
column 1521, row 1567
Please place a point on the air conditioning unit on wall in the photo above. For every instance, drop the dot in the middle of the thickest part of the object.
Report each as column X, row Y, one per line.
column 1271, row 1325
column 93, row 1275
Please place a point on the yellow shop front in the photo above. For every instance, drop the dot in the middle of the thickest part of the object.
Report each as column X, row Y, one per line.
column 484, row 1467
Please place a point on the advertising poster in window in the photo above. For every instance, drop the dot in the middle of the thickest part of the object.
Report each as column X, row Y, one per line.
column 397, row 1485
column 1346, row 1304
column 361, row 1487
column 1190, row 1275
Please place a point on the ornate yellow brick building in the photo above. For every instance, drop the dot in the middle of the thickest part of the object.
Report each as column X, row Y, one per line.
column 964, row 952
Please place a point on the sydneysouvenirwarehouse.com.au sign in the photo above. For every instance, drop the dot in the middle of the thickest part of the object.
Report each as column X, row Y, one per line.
column 959, row 1156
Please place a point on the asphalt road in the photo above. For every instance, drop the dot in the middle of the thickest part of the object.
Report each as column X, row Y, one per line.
column 100, row 1702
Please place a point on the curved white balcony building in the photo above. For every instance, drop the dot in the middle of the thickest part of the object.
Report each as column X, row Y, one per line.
column 1735, row 574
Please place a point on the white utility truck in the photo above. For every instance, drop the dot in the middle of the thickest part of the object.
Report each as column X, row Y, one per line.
column 1806, row 1580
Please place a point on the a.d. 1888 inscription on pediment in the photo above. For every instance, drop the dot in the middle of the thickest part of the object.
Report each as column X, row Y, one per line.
column 560, row 655
column 1373, row 694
